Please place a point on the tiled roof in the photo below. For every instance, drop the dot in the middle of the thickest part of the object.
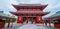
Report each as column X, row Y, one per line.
column 30, row 4
column 54, row 15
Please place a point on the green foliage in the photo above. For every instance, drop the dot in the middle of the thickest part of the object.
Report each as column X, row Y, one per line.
column 11, row 20
column 6, row 20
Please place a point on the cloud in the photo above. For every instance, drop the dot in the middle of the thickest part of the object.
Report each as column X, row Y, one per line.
column 5, row 5
column 30, row 1
column 13, row 1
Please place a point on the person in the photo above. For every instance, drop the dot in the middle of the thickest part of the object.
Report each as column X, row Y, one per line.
column 46, row 22
column 49, row 22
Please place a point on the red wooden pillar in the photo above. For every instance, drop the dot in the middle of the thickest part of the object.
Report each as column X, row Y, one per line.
column 22, row 20
column 8, row 22
column 49, row 22
column 40, row 19
column 32, row 20
column 37, row 21
column 18, row 19
column 26, row 20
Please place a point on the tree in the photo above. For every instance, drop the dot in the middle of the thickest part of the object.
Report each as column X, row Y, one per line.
column 11, row 20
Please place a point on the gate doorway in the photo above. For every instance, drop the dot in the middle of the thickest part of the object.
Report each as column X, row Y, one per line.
column 29, row 19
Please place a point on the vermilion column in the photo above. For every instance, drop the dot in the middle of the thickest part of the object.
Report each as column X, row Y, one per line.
column 49, row 22
column 37, row 21
column 18, row 19
column 32, row 20
column 22, row 20
column 26, row 20
column 40, row 19
column 8, row 22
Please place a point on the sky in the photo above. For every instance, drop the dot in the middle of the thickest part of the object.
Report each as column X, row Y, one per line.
column 53, row 5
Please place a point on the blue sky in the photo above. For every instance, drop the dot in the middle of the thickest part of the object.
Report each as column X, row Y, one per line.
column 53, row 5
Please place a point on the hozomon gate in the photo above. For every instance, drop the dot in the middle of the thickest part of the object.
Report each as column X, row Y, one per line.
column 29, row 12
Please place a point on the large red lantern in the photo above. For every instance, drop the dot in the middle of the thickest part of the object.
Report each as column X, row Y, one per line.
column 20, row 20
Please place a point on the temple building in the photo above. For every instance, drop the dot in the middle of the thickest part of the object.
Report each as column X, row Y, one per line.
column 3, row 19
column 55, row 19
column 29, row 12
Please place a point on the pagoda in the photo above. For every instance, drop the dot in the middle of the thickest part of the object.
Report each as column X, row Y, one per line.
column 29, row 12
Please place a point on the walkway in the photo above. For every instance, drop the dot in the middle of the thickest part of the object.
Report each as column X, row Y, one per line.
column 29, row 26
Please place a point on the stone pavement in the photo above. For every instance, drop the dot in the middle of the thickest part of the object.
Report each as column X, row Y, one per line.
column 28, row 26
